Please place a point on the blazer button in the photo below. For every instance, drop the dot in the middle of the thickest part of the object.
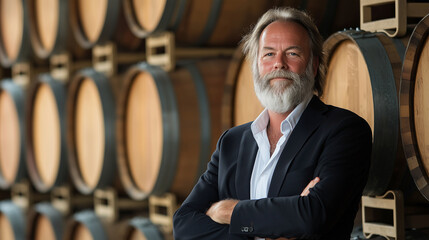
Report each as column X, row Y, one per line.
column 246, row 229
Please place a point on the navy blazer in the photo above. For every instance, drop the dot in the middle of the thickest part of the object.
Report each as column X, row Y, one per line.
column 328, row 142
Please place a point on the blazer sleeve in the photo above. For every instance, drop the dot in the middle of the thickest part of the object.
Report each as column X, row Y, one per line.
column 190, row 220
column 342, row 166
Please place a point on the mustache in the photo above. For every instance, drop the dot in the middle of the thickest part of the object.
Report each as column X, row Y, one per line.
column 281, row 74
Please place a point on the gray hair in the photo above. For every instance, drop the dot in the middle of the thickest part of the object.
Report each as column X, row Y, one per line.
column 251, row 40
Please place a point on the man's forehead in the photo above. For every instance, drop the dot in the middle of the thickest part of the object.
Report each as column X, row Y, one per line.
column 282, row 31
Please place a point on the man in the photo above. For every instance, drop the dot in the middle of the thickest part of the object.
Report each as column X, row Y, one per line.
column 299, row 169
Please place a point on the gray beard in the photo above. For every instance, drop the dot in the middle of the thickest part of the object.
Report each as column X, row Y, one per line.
column 283, row 96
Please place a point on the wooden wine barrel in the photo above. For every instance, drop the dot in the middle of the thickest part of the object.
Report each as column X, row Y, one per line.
column 413, row 113
column 140, row 228
column 50, row 31
column 168, row 125
column 46, row 133
column 91, row 131
column 223, row 23
column 48, row 26
column 45, row 222
column 12, row 134
column 330, row 16
column 239, row 104
column 85, row 225
column 211, row 23
column 99, row 21
column 14, row 33
column 12, row 221
column 363, row 76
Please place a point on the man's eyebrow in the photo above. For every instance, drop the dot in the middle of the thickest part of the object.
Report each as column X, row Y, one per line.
column 289, row 48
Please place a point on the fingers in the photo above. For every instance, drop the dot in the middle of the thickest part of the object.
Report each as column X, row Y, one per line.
column 312, row 183
column 221, row 211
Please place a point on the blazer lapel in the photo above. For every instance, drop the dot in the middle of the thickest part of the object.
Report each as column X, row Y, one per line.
column 308, row 122
column 245, row 161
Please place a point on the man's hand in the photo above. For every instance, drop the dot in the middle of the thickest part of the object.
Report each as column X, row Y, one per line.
column 221, row 211
column 306, row 190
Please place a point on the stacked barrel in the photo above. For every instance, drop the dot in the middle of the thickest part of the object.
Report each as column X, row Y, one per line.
column 87, row 121
column 369, row 73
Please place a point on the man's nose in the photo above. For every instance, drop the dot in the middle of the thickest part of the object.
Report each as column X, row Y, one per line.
column 280, row 62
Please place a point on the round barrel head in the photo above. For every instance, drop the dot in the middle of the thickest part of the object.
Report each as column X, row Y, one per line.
column 246, row 105
column 148, row 13
column 6, row 230
column 11, row 27
column 144, row 131
column 47, row 22
column 92, row 17
column 46, row 134
column 81, row 232
column 9, row 138
column 44, row 229
column 89, row 132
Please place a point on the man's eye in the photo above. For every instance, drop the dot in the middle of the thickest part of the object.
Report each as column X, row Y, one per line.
column 269, row 54
column 293, row 54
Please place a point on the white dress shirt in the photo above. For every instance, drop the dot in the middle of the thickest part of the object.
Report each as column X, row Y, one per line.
column 265, row 164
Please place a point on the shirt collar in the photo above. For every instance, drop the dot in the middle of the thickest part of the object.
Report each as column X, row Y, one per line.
column 292, row 119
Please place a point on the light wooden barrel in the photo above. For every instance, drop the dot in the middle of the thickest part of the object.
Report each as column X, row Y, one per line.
column 48, row 26
column 91, row 131
column 140, row 228
column 223, row 23
column 168, row 125
column 239, row 104
column 12, row 221
column 46, row 133
column 363, row 76
column 99, row 21
column 12, row 134
column 413, row 99
column 14, row 33
column 45, row 222
column 212, row 23
column 50, row 31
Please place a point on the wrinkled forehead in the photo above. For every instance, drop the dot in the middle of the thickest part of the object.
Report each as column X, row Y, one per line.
column 285, row 32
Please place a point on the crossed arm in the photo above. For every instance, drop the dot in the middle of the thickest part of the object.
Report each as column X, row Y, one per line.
column 221, row 211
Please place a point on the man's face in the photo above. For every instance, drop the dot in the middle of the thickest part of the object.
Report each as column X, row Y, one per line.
column 283, row 45
column 286, row 69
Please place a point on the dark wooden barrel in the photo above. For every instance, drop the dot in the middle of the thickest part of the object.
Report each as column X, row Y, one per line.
column 50, row 31
column 141, row 228
column 12, row 134
column 12, row 221
column 363, row 76
column 330, row 16
column 45, row 222
column 99, row 21
column 211, row 23
column 168, row 125
column 91, row 131
column 46, row 133
column 239, row 104
column 14, row 33
column 413, row 98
